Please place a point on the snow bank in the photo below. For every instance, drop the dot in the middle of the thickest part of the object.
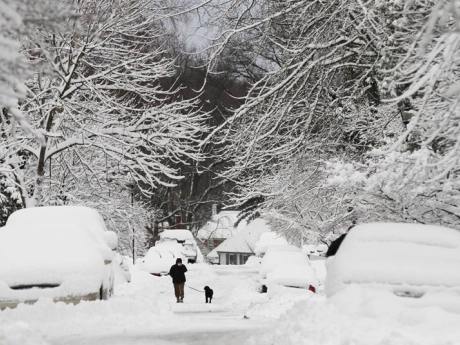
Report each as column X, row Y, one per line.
column 276, row 302
column 413, row 257
column 360, row 317
column 361, row 320
column 139, row 306
column 20, row 333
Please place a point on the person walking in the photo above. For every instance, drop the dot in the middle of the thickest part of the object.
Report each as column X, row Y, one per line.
column 177, row 273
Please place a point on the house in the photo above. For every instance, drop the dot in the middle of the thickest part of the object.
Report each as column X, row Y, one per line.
column 236, row 249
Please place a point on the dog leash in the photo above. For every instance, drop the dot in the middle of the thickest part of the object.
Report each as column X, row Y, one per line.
column 194, row 288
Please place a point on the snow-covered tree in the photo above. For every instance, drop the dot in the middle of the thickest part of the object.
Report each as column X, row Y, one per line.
column 98, row 88
column 12, row 89
column 364, row 103
column 12, row 64
column 414, row 175
column 303, row 107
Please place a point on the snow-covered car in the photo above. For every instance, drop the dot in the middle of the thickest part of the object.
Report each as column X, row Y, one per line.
column 288, row 266
column 63, row 252
column 408, row 260
column 185, row 238
column 161, row 257
column 86, row 218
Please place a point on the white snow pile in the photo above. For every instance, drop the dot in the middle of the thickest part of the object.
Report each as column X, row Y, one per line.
column 52, row 254
column 20, row 333
column 420, row 258
column 276, row 302
column 266, row 240
column 136, row 307
column 362, row 317
column 288, row 266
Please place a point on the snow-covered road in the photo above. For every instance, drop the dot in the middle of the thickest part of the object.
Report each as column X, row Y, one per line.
column 144, row 312
column 226, row 335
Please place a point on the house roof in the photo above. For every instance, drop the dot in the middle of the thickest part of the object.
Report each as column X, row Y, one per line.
column 235, row 244
column 245, row 239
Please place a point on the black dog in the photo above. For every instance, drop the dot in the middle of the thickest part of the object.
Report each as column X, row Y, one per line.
column 208, row 294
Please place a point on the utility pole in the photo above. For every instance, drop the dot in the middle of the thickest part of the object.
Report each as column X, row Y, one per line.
column 131, row 189
column 134, row 248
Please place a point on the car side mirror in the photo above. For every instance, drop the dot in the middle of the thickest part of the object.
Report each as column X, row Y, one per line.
column 112, row 239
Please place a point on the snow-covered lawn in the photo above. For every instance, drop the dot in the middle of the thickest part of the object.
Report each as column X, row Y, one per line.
column 144, row 312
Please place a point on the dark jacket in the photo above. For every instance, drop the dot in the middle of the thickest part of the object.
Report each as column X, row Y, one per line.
column 177, row 273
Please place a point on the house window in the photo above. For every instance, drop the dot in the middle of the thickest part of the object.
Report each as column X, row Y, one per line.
column 243, row 258
column 231, row 259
